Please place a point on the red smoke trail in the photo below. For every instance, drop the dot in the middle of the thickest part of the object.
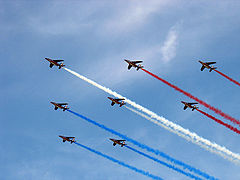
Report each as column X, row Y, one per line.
column 219, row 121
column 224, row 75
column 195, row 98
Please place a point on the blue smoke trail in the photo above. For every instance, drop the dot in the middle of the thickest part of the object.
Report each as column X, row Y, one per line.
column 163, row 163
column 120, row 162
column 143, row 146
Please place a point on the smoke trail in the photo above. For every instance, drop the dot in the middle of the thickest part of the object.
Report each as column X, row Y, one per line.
column 195, row 98
column 163, row 163
column 120, row 162
column 220, row 122
column 224, row 75
column 213, row 149
column 143, row 146
column 175, row 128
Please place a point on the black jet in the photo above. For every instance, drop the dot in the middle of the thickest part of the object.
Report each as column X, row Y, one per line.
column 69, row 139
column 207, row 65
column 189, row 105
column 62, row 106
column 134, row 64
column 120, row 142
column 55, row 63
column 117, row 101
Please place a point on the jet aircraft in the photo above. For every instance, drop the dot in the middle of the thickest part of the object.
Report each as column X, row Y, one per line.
column 69, row 139
column 120, row 142
column 189, row 105
column 207, row 65
column 62, row 106
column 134, row 64
column 117, row 101
column 55, row 63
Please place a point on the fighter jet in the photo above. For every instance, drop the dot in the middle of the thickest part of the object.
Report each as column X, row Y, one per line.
column 55, row 63
column 117, row 101
column 69, row 139
column 134, row 64
column 207, row 65
column 189, row 105
column 120, row 142
column 62, row 106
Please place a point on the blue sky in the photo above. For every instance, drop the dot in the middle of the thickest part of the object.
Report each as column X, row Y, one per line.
column 93, row 37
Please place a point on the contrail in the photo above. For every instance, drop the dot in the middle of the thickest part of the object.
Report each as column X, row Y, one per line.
column 226, row 116
column 220, row 122
column 163, row 163
column 166, row 123
column 143, row 146
column 213, row 147
column 145, row 173
column 224, row 75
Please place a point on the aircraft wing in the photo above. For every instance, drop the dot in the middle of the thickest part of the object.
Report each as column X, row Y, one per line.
column 51, row 65
column 192, row 103
column 121, row 140
column 202, row 68
column 58, row 60
column 129, row 66
column 112, row 103
column 62, row 103
column 210, row 63
column 137, row 62
column 185, row 107
column 120, row 99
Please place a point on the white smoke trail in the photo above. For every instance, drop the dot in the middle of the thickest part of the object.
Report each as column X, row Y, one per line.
column 180, row 131
column 205, row 146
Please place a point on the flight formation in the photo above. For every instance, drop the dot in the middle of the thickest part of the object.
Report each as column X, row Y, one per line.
column 162, row 158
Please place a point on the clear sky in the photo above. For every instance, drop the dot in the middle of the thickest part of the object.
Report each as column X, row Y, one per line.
column 93, row 37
